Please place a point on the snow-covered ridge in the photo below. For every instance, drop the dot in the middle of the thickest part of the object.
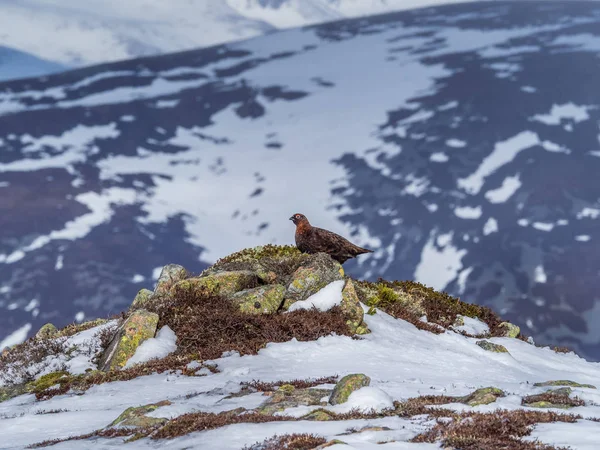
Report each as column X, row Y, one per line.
column 97, row 31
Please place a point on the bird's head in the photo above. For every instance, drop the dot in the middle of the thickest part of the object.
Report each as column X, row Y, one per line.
column 299, row 219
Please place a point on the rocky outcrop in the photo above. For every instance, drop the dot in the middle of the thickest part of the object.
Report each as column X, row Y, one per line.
column 352, row 309
column 142, row 298
column 347, row 386
column 140, row 325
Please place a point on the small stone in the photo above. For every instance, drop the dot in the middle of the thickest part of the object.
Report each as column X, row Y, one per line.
column 141, row 325
column 510, row 330
column 136, row 416
column 142, row 298
column 347, row 386
column 46, row 332
column 565, row 383
column 491, row 347
column 483, row 396
column 260, row 300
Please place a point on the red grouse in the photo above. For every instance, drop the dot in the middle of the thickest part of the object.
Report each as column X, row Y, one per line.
column 311, row 239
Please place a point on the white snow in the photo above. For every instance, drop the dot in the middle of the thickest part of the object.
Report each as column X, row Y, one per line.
column 586, row 212
column 456, row 143
column 472, row 326
column 503, row 153
column 439, row 263
column 468, row 212
column 402, row 362
column 324, row 300
column 583, row 237
column 491, row 226
column 543, row 226
column 157, row 347
column 440, row 157
column 16, row 337
column 566, row 111
column 510, row 185
column 96, row 31
column 540, row 274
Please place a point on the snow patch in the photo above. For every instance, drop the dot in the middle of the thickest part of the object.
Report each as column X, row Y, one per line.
column 16, row 337
column 324, row 300
column 162, row 345
column 472, row 326
column 510, row 185
column 491, row 226
column 468, row 212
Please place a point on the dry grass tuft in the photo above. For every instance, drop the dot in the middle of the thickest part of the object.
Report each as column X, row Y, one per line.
column 289, row 442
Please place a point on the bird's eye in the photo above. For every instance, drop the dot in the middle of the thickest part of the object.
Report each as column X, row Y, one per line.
column 297, row 216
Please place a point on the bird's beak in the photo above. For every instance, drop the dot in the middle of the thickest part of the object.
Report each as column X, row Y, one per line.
column 292, row 218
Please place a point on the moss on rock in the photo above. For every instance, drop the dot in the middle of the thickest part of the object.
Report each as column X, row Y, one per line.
column 46, row 332
column 289, row 397
column 141, row 299
column 47, row 381
column 491, row 347
column 565, row 383
column 482, row 396
column 318, row 271
column 319, row 415
column 220, row 283
column 347, row 386
column 136, row 416
column 260, row 300
column 352, row 309
column 170, row 274
column 510, row 330
column 141, row 325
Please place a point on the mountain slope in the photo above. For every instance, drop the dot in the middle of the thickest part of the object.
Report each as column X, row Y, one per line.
column 15, row 64
column 93, row 32
column 399, row 131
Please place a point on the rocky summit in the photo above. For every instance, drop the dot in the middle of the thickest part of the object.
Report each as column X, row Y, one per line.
column 270, row 348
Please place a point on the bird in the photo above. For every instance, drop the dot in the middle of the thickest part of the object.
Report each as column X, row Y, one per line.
column 311, row 239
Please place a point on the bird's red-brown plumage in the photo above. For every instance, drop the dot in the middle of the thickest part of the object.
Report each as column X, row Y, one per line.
column 311, row 239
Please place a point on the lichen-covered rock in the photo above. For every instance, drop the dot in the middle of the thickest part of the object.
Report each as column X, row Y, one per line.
column 141, row 325
column 46, row 332
column 482, row 396
column 289, row 397
column 8, row 392
column 319, row 415
column 170, row 274
column 509, row 329
column 136, row 416
column 47, row 381
column 319, row 270
column 565, row 383
column 260, row 300
column 491, row 347
column 381, row 294
column 558, row 398
column 141, row 299
column 347, row 386
column 352, row 309
column 222, row 283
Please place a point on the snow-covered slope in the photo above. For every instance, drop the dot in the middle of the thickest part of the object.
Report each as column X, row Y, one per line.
column 76, row 33
column 459, row 143
column 402, row 362
column 15, row 64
